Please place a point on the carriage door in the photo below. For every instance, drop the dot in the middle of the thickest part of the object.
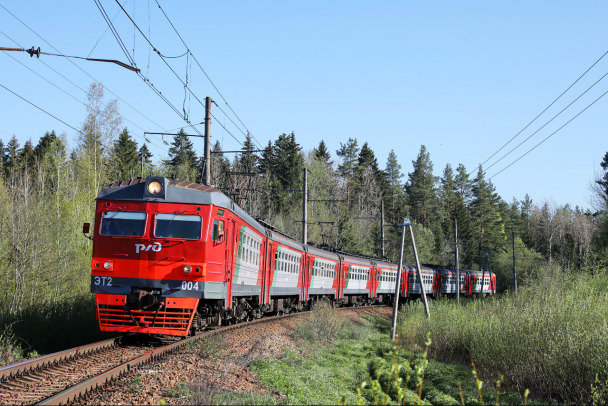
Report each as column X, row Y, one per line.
column 340, row 275
column 231, row 241
column 267, row 276
column 303, row 277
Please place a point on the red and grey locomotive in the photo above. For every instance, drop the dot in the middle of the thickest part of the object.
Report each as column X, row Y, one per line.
column 171, row 256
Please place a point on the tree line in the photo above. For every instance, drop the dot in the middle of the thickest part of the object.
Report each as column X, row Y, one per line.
column 48, row 190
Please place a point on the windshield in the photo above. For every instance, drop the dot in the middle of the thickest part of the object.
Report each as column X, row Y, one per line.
column 178, row 226
column 123, row 223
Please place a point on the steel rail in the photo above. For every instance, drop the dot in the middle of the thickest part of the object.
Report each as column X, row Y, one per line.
column 89, row 385
column 25, row 367
column 86, row 387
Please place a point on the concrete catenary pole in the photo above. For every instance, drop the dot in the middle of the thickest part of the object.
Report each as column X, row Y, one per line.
column 382, row 228
column 305, row 208
column 457, row 262
column 514, row 267
column 207, row 156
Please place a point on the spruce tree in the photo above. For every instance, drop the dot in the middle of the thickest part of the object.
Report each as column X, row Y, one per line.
column 27, row 158
column 489, row 233
column 12, row 155
column 448, row 199
column 220, row 166
column 394, row 198
column 144, row 156
column 603, row 180
column 182, row 158
column 3, row 158
column 322, row 154
column 44, row 144
column 421, row 191
column 248, row 160
column 124, row 160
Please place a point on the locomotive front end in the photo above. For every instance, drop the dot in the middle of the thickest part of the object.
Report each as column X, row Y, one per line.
column 149, row 267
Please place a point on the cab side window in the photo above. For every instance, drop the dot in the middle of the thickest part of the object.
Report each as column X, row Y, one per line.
column 217, row 234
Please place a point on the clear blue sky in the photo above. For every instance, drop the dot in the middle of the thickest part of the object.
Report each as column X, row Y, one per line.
column 460, row 77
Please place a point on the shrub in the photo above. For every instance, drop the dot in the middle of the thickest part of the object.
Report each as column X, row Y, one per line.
column 551, row 337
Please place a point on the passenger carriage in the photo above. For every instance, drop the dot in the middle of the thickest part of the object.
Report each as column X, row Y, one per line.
column 171, row 256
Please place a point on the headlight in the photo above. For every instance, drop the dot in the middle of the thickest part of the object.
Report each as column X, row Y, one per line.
column 155, row 187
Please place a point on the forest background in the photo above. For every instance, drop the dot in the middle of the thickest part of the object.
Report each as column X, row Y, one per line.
column 48, row 190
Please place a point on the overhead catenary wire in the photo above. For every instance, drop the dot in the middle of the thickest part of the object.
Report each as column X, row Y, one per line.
column 207, row 76
column 81, row 69
column 61, row 89
column 544, row 110
column 552, row 134
column 144, row 78
column 41, row 109
column 550, row 120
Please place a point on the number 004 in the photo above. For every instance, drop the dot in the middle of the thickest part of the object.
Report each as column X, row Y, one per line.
column 189, row 285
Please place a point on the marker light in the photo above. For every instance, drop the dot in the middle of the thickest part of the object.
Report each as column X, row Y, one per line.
column 155, row 187
column 187, row 269
column 107, row 265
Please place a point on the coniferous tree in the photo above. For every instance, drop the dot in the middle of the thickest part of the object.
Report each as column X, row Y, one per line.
column 489, row 233
column 349, row 154
column 44, row 144
column 144, row 158
column 12, row 155
column 3, row 159
column 124, row 163
column 602, row 182
column 420, row 189
column 464, row 186
column 448, row 199
column 248, row 160
column 393, row 175
column 526, row 206
column 182, row 158
column 322, row 154
column 289, row 166
column 220, row 166
column 27, row 158
column 281, row 165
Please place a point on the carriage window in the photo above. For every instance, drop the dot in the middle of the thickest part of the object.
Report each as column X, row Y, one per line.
column 218, row 230
column 178, row 226
column 128, row 224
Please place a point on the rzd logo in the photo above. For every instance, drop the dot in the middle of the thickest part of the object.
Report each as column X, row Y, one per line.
column 156, row 247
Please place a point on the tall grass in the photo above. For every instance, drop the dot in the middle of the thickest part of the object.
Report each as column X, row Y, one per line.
column 552, row 337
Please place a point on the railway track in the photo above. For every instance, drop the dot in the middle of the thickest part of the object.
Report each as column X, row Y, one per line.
column 35, row 380
column 67, row 376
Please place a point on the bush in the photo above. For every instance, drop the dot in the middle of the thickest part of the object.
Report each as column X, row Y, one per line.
column 321, row 325
column 551, row 338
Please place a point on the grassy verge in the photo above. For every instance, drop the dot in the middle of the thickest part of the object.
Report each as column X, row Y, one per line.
column 551, row 338
column 358, row 364
column 46, row 329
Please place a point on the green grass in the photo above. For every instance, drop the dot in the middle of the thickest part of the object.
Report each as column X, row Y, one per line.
column 552, row 338
column 361, row 367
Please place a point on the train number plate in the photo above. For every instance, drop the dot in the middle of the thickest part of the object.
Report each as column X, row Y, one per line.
column 189, row 285
column 102, row 280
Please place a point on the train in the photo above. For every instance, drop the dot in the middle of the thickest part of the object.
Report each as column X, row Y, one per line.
column 171, row 257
